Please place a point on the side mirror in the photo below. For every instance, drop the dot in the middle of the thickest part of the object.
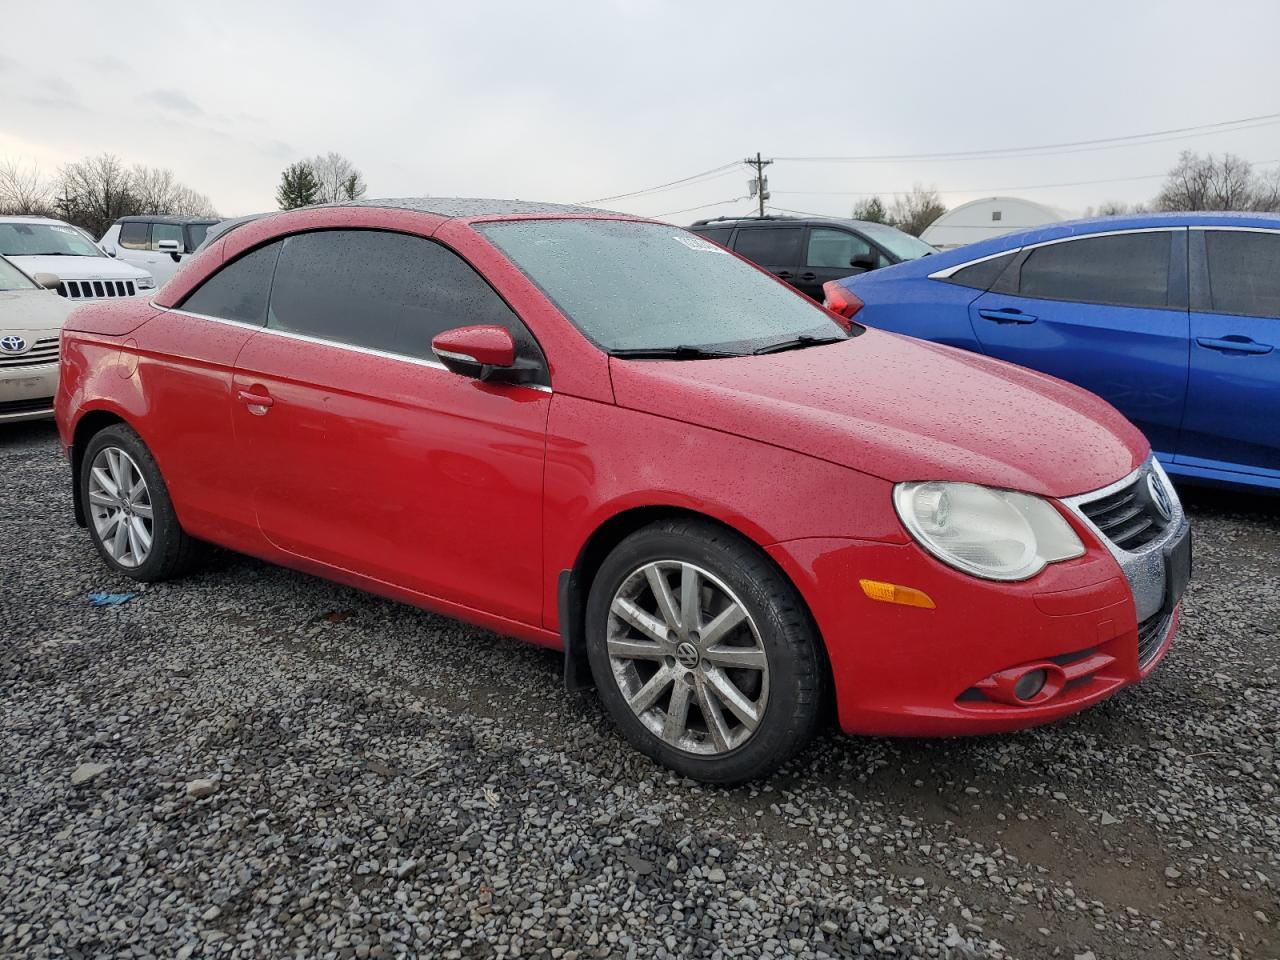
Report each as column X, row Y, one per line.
column 481, row 353
column 46, row 280
column 110, row 251
column 867, row 261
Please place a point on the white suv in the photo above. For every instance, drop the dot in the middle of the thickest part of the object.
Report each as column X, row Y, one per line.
column 42, row 245
column 157, row 244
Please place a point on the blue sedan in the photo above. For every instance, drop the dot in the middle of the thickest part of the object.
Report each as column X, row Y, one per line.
column 1173, row 318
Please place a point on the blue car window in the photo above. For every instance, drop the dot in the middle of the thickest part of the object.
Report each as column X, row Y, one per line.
column 1128, row 269
column 1244, row 272
column 983, row 274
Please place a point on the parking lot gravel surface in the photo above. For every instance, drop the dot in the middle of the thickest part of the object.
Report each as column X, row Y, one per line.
column 252, row 762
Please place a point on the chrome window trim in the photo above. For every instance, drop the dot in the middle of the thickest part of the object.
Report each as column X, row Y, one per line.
column 946, row 272
column 1232, row 229
column 367, row 351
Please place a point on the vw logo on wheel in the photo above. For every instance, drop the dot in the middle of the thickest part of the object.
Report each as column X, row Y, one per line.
column 12, row 344
column 688, row 656
column 1160, row 495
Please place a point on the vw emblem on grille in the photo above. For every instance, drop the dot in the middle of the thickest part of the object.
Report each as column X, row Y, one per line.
column 1160, row 495
column 12, row 344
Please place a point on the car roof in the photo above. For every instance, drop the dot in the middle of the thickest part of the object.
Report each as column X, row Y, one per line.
column 32, row 218
column 469, row 207
column 1057, row 231
column 166, row 218
column 768, row 219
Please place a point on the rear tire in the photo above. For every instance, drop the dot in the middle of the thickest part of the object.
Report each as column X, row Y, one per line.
column 725, row 695
column 130, row 515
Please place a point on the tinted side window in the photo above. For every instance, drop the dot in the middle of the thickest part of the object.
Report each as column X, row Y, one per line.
column 166, row 231
column 776, row 245
column 836, row 248
column 135, row 236
column 239, row 290
column 720, row 235
column 982, row 275
column 1128, row 269
column 1244, row 272
column 384, row 291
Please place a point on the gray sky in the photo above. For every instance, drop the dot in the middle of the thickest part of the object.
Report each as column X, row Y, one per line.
column 574, row 101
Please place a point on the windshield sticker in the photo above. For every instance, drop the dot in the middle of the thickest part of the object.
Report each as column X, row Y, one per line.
column 71, row 230
column 697, row 243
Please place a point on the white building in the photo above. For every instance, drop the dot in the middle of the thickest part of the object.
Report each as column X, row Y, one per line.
column 989, row 217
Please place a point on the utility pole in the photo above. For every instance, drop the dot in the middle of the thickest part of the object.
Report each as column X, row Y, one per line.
column 761, row 187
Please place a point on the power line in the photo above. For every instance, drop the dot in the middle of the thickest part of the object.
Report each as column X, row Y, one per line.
column 665, row 186
column 1031, row 186
column 1073, row 146
column 701, row 206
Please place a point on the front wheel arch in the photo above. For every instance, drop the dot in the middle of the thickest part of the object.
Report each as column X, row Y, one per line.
column 574, row 585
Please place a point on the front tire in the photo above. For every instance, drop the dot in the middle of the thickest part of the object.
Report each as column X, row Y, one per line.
column 703, row 653
column 130, row 515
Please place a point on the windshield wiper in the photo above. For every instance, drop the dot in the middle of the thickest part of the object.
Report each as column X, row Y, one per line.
column 797, row 343
column 681, row 352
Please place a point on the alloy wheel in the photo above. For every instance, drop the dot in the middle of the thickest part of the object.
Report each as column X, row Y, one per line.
column 687, row 657
column 120, row 506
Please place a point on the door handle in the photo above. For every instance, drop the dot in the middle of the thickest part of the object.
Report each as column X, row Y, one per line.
column 249, row 398
column 808, row 276
column 783, row 274
column 1234, row 345
column 1006, row 315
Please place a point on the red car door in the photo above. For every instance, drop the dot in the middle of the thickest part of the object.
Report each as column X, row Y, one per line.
column 366, row 454
column 187, row 369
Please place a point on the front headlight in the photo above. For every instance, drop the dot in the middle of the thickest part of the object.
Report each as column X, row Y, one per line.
column 145, row 283
column 995, row 534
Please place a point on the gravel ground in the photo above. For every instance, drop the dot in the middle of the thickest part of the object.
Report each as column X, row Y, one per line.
column 252, row 762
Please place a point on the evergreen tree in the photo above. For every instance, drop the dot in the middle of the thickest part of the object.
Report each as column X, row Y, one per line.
column 298, row 187
column 872, row 211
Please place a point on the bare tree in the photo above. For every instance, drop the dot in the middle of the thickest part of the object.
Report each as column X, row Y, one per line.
column 337, row 177
column 94, row 192
column 1209, row 183
column 22, row 189
column 912, row 212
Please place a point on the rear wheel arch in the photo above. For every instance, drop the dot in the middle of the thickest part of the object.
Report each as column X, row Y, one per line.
column 575, row 584
column 89, row 424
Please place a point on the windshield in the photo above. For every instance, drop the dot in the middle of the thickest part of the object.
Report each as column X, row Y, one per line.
column 902, row 245
column 638, row 286
column 45, row 239
column 11, row 278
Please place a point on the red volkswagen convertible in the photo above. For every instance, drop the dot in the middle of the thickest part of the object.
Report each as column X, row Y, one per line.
column 605, row 435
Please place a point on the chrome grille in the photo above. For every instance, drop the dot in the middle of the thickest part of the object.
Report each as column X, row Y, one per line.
column 1151, row 633
column 96, row 289
column 1127, row 517
column 43, row 352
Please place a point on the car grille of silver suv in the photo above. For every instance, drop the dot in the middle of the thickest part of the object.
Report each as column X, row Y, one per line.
column 44, row 351
column 96, row 289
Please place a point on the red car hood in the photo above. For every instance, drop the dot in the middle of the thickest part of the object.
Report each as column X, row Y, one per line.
column 900, row 409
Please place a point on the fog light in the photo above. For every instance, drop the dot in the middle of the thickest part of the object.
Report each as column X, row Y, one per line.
column 1030, row 684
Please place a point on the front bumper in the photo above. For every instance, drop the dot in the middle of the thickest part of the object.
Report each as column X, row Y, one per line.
column 911, row 671
column 26, row 393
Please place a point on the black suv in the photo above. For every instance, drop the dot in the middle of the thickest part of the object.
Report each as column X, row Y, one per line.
column 809, row 252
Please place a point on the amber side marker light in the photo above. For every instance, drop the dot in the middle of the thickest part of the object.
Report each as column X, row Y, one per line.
column 895, row 593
